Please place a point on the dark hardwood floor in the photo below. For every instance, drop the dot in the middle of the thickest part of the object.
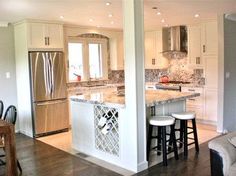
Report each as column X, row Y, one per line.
column 195, row 165
column 40, row 159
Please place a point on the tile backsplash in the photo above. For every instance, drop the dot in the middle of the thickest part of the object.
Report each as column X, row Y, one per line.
column 178, row 70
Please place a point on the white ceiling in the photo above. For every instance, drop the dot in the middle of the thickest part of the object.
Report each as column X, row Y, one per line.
column 79, row 12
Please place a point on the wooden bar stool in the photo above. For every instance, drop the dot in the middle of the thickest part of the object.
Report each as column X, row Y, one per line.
column 161, row 122
column 184, row 117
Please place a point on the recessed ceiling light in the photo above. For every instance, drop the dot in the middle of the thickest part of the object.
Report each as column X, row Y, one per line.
column 158, row 13
column 196, row 15
column 62, row 17
column 112, row 22
column 110, row 15
column 91, row 20
column 108, row 3
column 163, row 21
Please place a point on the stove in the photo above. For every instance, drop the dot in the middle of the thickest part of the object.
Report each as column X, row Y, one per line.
column 171, row 85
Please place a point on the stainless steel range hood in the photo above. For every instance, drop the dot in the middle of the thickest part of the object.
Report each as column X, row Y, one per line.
column 174, row 39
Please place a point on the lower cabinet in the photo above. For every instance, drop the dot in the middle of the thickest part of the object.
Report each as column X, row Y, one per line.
column 211, row 107
column 205, row 106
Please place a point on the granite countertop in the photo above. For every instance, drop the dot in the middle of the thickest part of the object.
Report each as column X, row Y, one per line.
column 153, row 97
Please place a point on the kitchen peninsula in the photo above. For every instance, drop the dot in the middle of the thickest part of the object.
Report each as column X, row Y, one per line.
column 99, row 125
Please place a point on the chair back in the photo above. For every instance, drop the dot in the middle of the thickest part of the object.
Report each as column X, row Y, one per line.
column 10, row 115
column 1, row 108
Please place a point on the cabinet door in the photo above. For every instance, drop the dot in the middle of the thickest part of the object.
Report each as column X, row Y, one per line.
column 211, row 72
column 210, row 38
column 211, row 101
column 36, row 35
column 55, row 34
column 150, row 50
column 195, row 58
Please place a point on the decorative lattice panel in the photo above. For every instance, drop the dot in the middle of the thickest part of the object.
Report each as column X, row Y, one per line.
column 107, row 132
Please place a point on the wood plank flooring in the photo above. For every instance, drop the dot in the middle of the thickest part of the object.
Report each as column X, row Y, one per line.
column 40, row 159
column 195, row 165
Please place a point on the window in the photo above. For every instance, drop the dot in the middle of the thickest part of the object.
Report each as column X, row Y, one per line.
column 87, row 59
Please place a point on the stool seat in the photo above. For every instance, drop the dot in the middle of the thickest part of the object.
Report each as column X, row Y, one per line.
column 184, row 115
column 161, row 120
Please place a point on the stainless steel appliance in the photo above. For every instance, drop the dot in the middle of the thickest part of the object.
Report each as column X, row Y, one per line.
column 171, row 85
column 48, row 92
column 175, row 39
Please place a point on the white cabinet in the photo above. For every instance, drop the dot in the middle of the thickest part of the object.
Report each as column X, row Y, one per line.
column 117, row 52
column 211, row 100
column 195, row 104
column 153, row 51
column 209, row 38
column 211, row 72
column 45, row 36
column 194, row 46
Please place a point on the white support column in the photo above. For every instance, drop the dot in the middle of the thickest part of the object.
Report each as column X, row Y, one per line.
column 134, row 84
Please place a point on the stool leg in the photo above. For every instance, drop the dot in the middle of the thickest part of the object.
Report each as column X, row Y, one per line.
column 174, row 141
column 185, row 138
column 195, row 135
column 159, row 131
column 181, row 133
column 170, row 139
column 164, row 153
column 149, row 140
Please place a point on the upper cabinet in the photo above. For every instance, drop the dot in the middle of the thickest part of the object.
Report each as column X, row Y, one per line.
column 194, row 46
column 153, row 51
column 209, row 38
column 117, row 52
column 44, row 35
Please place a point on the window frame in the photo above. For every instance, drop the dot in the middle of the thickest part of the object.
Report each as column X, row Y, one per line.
column 85, row 43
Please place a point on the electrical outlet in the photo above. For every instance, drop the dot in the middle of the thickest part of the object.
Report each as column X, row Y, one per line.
column 8, row 75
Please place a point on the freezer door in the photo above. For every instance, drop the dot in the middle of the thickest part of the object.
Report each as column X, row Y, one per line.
column 51, row 116
column 58, row 75
column 40, row 76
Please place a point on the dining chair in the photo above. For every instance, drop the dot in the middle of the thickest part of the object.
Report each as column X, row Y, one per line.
column 1, row 108
column 10, row 117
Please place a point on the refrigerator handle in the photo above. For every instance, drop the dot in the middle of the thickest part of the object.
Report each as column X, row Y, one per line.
column 46, row 78
column 51, row 102
column 52, row 59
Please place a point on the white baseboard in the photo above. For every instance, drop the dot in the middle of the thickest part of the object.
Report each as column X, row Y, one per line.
column 142, row 166
column 26, row 133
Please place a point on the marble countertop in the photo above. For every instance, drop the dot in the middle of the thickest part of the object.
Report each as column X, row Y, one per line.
column 110, row 98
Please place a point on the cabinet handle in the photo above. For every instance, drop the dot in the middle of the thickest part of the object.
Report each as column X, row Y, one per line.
column 192, row 90
column 153, row 61
column 48, row 41
column 198, row 60
column 204, row 48
column 191, row 99
column 45, row 40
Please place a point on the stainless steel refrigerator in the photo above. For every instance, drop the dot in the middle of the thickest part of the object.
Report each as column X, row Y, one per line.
column 48, row 92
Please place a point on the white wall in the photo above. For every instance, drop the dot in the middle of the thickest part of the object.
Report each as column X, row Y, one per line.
column 7, row 64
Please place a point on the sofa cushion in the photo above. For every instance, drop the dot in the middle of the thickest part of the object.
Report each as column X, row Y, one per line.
column 232, row 170
column 225, row 149
column 232, row 140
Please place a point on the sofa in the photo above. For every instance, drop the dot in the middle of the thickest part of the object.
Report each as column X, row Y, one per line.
column 223, row 155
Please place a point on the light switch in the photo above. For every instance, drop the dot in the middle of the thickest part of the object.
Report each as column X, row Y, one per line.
column 8, row 75
column 227, row 75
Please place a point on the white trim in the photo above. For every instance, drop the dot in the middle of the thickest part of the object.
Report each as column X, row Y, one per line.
column 26, row 133
column 142, row 166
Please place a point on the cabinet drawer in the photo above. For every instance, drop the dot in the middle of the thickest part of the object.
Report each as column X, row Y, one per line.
column 196, row 101
column 192, row 89
column 197, row 110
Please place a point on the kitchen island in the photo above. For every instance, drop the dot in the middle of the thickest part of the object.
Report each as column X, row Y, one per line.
column 99, row 125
